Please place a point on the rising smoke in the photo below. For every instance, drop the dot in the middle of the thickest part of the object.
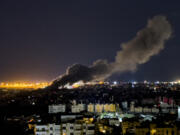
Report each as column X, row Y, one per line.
column 147, row 43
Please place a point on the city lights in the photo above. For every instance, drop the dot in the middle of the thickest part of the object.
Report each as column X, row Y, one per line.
column 24, row 85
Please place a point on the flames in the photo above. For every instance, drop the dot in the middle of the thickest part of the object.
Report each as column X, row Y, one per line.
column 78, row 84
column 81, row 83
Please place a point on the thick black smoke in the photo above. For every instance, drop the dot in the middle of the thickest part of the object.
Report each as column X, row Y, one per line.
column 78, row 72
column 147, row 43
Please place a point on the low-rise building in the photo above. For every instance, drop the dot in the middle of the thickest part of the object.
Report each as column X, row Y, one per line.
column 147, row 110
column 114, row 122
column 99, row 108
column 78, row 129
column 90, row 108
column 109, row 107
column 65, row 129
column 57, row 108
column 153, row 129
column 129, row 125
column 78, row 108
column 49, row 129
column 155, row 110
column 138, row 109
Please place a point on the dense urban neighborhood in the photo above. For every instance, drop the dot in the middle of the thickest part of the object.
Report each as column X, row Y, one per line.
column 143, row 108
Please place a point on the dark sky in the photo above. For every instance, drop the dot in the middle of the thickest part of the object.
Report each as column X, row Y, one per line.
column 39, row 39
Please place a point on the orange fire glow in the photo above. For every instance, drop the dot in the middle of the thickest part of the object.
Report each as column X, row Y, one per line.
column 24, row 85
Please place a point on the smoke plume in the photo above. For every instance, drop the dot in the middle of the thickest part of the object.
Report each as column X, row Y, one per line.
column 147, row 43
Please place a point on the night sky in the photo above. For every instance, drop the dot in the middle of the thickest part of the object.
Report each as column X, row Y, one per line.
column 40, row 39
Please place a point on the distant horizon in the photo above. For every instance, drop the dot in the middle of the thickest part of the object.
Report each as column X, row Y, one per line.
column 111, row 81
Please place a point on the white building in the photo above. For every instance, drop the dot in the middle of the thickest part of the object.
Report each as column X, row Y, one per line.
column 114, row 122
column 78, row 129
column 57, row 108
column 138, row 109
column 132, row 106
column 164, row 105
column 147, row 110
column 179, row 112
column 50, row 129
column 65, row 118
column 65, row 129
column 155, row 110
column 125, row 105
column 78, row 108
column 165, row 110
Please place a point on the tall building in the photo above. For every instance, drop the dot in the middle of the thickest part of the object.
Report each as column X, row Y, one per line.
column 179, row 112
column 132, row 106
